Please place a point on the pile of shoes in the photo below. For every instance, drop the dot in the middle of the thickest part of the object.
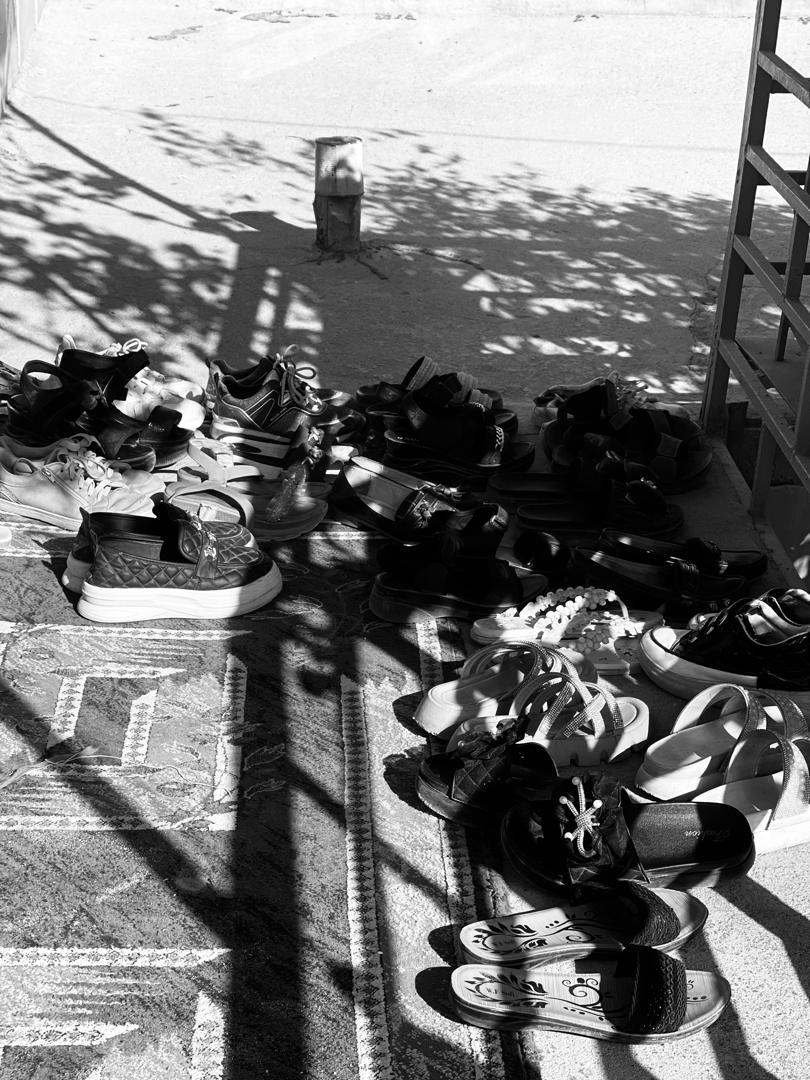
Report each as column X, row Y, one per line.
column 170, row 498
column 433, row 443
column 571, row 577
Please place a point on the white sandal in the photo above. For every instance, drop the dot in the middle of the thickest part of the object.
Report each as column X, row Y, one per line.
column 578, row 722
column 486, row 684
column 580, row 619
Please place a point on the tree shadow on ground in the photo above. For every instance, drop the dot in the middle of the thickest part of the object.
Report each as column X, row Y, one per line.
column 522, row 286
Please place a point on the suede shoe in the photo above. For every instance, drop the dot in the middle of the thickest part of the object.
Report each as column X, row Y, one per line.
column 182, row 570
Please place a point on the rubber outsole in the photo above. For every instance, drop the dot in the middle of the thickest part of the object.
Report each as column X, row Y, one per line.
column 113, row 605
column 684, row 679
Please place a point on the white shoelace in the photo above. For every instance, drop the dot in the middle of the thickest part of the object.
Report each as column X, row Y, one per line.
column 117, row 349
column 85, row 471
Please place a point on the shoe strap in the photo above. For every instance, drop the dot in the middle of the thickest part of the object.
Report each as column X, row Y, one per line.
column 544, row 659
column 554, row 695
column 659, row 993
column 584, row 814
column 746, row 760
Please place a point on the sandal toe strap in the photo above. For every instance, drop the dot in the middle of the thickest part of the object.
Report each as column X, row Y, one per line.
column 659, row 995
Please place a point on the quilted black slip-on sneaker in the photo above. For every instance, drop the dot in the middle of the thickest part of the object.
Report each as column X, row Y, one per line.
column 184, row 570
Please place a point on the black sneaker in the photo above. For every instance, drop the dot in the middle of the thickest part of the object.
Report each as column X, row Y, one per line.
column 742, row 645
column 277, row 406
column 254, row 376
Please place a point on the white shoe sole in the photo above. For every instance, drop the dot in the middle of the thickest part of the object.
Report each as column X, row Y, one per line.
column 111, row 605
column 685, row 679
column 37, row 513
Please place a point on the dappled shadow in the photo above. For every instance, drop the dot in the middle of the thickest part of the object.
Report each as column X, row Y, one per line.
column 523, row 286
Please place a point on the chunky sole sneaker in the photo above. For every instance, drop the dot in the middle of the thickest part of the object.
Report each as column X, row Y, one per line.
column 250, row 440
column 111, row 605
column 80, row 559
column 180, row 569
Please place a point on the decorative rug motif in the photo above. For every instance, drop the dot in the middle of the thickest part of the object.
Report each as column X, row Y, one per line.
column 215, row 864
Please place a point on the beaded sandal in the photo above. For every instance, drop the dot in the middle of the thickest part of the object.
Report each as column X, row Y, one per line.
column 579, row 618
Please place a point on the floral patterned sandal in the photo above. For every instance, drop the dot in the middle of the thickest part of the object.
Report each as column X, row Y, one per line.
column 606, row 922
column 649, row 997
column 579, row 618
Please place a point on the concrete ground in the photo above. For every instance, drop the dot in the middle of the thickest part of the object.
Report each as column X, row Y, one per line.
column 547, row 198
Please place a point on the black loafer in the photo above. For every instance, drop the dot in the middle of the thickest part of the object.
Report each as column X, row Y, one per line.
column 395, row 503
column 704, row 554
column 678, row 585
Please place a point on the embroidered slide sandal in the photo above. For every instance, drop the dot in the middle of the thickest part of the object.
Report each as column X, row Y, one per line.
column 591, row 831
column 578, row 722
column 692, row 758
column 777, row 804
column 650, row 997
column 605, row 922
column 486, row 684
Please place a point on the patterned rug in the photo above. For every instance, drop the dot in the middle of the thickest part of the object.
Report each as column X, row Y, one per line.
column 215, row 865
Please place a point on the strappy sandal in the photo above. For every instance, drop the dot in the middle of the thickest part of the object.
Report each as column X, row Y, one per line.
column 773, row 794
column 592, row 621
column 692, row 758
column 487, row 683
column 649, row 997
column 576, row 721
column 589, row 830
column 286, row 512
column 220, row 463
column 606, row 922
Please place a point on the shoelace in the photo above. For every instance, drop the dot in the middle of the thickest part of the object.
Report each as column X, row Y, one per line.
column 84, row 470
column 117, row 349
column 302, row 394
column 586, row 824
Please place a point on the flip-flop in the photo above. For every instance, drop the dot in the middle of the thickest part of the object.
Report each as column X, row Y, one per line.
column 589, row 830
column 605, row 922
column 777, row 804
column 691, row 759
column 649, row 998
column 577, row 722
